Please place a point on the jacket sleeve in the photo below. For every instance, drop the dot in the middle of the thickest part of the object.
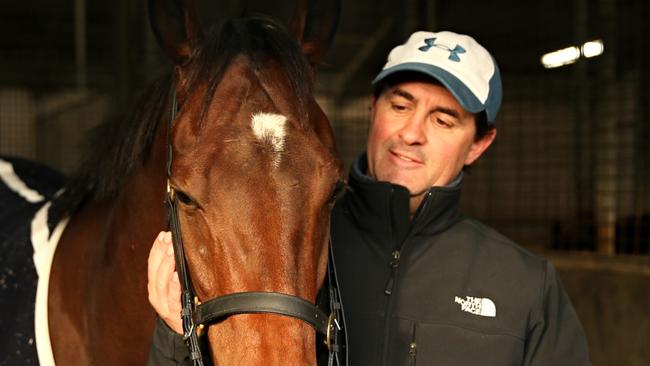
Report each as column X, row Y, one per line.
column 167, row 347
column 556, row 336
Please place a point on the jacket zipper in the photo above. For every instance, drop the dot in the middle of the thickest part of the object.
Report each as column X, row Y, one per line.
column 390, row 284
column 413, row 351
column 394, row 263
column 395, row 255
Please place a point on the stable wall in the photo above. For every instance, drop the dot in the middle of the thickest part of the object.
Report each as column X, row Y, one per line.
column 612, row 298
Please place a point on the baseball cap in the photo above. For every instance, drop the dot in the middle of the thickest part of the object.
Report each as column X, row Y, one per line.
column 457, row 61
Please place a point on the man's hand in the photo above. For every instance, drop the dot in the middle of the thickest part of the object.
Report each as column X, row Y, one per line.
column 163, row 285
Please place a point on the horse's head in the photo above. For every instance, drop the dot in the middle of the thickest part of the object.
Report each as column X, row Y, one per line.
column 254, row 169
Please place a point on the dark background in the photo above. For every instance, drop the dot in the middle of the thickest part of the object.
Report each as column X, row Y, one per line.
column 567, row 177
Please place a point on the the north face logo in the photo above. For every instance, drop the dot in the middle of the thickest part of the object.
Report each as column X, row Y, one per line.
column 477, row 305
column 453, row 52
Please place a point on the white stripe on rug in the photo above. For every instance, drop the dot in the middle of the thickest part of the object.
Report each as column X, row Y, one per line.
column 44, row 248
column 8, row 175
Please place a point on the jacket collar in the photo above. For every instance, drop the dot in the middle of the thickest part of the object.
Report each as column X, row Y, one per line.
column 382, row 209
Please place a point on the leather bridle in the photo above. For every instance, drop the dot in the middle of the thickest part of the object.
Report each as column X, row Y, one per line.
column 196, row 315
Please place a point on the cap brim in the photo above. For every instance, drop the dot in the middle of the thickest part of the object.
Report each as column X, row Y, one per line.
column 461, row 92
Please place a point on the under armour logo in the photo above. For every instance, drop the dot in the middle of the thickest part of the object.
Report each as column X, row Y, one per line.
column 453, row 53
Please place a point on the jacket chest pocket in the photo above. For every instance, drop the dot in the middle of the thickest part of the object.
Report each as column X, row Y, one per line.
column 442, row 344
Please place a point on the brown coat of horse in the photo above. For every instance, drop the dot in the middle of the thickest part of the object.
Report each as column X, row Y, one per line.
column 255, row 193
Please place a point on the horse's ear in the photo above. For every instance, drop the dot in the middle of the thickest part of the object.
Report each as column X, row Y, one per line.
column 177, row 28
column 314, row 24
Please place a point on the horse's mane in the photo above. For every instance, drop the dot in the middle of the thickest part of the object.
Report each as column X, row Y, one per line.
column 117, row 147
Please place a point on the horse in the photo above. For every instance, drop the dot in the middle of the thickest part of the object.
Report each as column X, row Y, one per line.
column 255, row 173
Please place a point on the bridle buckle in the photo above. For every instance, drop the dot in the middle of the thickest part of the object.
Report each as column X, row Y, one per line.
column 330, row 331
column 171, row 193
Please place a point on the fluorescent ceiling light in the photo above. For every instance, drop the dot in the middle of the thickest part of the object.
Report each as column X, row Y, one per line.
column 571, row 54
column 592, row 48
column 561, row 57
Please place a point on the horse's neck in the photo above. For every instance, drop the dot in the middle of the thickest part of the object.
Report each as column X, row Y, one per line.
column 98, row 278
column 117, row 231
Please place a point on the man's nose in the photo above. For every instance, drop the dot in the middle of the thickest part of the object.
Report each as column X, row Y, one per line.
column 412, row 133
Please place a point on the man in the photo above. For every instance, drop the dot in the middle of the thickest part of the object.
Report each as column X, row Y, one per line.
column 420, row 282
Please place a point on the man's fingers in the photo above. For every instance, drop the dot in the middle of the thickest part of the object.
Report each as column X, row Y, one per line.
column 165, row 269
column 174, row 294
column 163, row 285
column 155, row 254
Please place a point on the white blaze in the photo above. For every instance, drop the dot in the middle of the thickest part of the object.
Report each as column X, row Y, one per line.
column 270, row 128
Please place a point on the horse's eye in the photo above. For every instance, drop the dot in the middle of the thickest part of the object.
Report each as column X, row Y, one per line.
column 337, row 191
column 185, row 199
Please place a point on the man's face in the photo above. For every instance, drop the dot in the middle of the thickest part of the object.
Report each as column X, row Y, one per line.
column 421, row 137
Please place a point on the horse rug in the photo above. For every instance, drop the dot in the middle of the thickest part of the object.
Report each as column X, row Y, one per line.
column 29, row 231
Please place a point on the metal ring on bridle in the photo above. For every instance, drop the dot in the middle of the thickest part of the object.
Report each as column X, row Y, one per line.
column 170, row 191
column 330, row 330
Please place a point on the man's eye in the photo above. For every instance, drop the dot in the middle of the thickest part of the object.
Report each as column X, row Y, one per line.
column 443, row 123
column 399, row 107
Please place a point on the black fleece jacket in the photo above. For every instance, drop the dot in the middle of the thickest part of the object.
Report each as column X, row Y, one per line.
column 443, row 289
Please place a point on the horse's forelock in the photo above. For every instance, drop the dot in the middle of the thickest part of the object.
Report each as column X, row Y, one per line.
column 259, row 40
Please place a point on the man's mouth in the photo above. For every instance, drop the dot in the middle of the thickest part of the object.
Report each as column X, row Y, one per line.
column 404, row 158
column 407, row 158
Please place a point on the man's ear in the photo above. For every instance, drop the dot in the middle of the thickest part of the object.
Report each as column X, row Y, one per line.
column 479, row 146
column 372, row 109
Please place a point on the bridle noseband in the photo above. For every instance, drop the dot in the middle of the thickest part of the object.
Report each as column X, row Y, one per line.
column 196, row 315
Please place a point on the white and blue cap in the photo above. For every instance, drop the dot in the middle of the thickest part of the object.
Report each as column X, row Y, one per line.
column 457, row 61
